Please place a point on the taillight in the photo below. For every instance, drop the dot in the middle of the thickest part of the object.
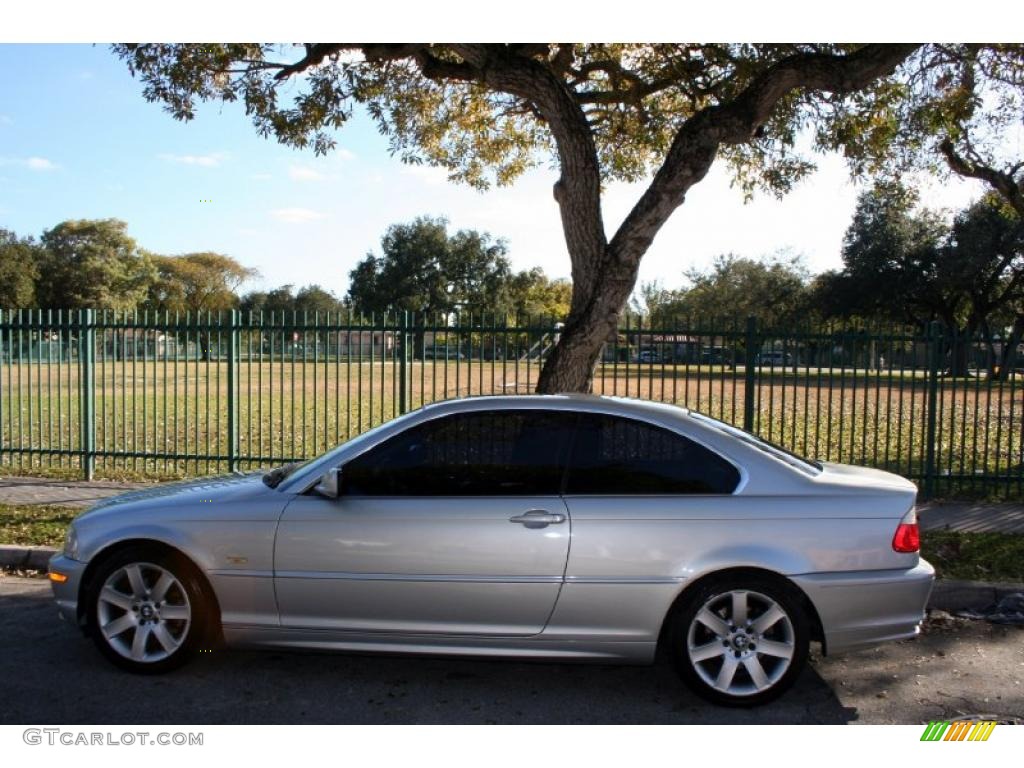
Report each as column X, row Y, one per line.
column 907, row 537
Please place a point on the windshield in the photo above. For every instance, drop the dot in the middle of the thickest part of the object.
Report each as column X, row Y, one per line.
column 778, row 451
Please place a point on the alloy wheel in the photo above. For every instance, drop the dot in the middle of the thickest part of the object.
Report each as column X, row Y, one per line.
column 143, row 612
column 741, row 642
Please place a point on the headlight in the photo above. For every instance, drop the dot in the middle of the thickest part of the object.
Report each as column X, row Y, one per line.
column 71, row 543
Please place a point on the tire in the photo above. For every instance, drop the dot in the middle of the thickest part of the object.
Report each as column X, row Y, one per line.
column 740, row 663
column 148, row 609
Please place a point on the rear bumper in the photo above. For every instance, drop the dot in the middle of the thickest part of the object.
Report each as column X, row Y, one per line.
column 66, row 593
column 864, row 608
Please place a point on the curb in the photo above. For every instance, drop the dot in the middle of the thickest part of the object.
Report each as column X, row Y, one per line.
column 25, row 558
column 951, row 595
column 947, row 594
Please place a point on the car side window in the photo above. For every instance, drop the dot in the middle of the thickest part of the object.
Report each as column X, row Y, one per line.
column 617, row 456
column 496, row 453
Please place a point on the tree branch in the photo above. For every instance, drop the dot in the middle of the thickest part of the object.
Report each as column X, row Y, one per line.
column 1002, row 182
column 697, row 141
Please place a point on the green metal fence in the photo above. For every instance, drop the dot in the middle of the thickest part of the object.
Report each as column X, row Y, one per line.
column 114, row 394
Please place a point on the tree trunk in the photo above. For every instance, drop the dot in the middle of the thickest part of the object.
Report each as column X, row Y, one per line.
column 570, row 366
column 1009, row 356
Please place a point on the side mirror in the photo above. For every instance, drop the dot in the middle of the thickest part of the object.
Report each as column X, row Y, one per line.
column 330, row 483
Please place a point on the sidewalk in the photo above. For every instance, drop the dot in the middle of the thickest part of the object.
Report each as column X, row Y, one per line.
column 972, row 517
column 934, row 516
column 70, row 493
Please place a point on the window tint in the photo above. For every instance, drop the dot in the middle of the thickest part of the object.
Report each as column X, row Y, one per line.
column 612, row 455
column 500, row 453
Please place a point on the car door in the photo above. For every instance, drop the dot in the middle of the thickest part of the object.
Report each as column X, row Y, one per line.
column 629, row 483
column 453, row 526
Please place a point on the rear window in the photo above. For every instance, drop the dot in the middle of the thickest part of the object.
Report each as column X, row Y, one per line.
column 783, row 454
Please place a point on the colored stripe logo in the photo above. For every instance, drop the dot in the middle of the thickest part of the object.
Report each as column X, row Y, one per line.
column 958, row 730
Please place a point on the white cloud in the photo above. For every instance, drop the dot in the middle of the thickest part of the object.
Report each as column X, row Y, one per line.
column 304, row 173
column 296, row 215
column 211, row 160
column 344, row 154
column 6, row 120
column 32, row 163
column 40, row 164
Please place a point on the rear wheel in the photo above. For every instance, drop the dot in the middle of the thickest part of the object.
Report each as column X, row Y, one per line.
column 147, row 610
column 740, row 640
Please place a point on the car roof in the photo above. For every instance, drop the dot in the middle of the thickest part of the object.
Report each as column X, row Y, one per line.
column 569, row 401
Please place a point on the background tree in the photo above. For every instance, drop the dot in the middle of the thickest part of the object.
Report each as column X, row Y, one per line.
column 93, row 264
column 197, row 282
column 531, row 293
column 489, row 112
column 19, row 270
column 908, row 264
column 310, row 298
column 424, row 269
column 774, row 290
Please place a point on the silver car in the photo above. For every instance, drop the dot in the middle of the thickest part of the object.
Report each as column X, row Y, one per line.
column 544, row 527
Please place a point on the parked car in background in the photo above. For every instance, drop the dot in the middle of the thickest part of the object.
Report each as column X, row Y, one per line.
column 544, row 527
column 441, row 354
column 774, row 358
column 649, row 356
column 716, row 356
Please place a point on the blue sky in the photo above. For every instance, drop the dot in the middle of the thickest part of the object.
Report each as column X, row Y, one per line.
column 77, row 140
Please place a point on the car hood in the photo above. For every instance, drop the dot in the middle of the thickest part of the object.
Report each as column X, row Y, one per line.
column 207, row 490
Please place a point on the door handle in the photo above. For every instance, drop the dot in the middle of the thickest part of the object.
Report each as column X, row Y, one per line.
column 537, row 518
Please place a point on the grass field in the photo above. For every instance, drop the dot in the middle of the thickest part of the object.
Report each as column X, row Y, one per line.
column 167, row 419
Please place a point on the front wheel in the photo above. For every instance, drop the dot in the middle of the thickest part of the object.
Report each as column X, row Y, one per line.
column 147, row 610
column 740, row 641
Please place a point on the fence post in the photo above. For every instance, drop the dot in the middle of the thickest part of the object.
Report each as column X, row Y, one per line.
column 403, row 354
column 87, row 389
column 749, row 372
column 233, row 391
column 935, row 340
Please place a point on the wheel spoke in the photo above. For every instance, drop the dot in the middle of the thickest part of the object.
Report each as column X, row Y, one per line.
column 174, row 612
column 112, row 596
column 164, row 638
column 774, row 648
column 768, row 619
column 134, row 574
column 707, row 651
column 162, row 585
column 727, row 672
column 714, row 622
column 139, row 642
column 756, row 672
column 739, row 608
column 117, row 626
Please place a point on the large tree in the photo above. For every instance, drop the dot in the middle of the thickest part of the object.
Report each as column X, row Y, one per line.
column 603, row 111
column 907, row 263
column 93, row 264
column 424, row 269
column 197, row 282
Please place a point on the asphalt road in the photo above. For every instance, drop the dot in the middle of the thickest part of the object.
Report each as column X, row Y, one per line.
column 50, row 674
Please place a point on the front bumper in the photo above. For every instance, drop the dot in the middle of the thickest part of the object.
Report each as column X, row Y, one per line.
column 863, row 608
column 66, row 593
